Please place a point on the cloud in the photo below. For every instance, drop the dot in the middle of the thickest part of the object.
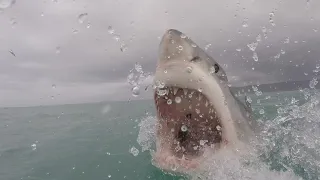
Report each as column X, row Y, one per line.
column 90, row 65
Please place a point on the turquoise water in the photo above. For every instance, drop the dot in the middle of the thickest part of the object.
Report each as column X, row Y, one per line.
column 93, row 141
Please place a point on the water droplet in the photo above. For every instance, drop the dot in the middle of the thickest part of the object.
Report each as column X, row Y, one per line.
column 162, row 92
column 53, row 86
column 34, row 147
column 189, row 69
column 193, row 45
column 200, row 89
column 252, row 46
column 212, row 70
column 249, row 100
column 88, row 25
column 110, row 30
column 264, row 31
column 207, row 47
column 12, row 53
column 255, row 56
column 109, row 176
column 134, row 151
column 138, row 67
column 218, row 128
column 271, row 15
column 74, row 168
column 58, row 50
column 203, row 142
column 169, row 101
column 277, row 56
column 116, row 37
column 4, row 4
column 123, row 47
column 180, row 48
column 258, row 38
column 184, row 128
column 82, row 17
column 245, row 23
column 42, row 14
column 13, row 22
column 177, row 99
column 75, row 31
column 52, row 97
column 313, row 83
column 286, row 40
column 183, row 36
column 239, row 49
column 135, row 91
column 261, row 111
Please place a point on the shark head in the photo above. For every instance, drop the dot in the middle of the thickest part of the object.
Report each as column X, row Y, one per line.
column 196, row 110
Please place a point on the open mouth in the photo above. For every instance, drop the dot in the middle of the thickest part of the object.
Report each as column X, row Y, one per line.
column 188, row 121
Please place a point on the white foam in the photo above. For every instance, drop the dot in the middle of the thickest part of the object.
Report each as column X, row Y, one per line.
column 223, row 165
column 293, row 136
column 228, row 164
column 147, row 131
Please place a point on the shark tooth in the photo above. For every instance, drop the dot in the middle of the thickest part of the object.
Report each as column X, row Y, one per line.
column 185, row 91
column 206, row 104
column 175, row 90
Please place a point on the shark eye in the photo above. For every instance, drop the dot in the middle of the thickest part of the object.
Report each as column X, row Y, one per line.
column 195, row 59
column 216, row 68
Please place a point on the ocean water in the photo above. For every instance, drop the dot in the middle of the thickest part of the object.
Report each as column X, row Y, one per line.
column 111, row 140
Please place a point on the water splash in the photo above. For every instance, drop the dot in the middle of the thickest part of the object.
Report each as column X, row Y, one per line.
column 134, row 151
column 136, row 77
column 117, row 37
column 147, row 134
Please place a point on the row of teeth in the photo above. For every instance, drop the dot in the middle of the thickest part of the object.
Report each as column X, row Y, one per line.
column 185, row 92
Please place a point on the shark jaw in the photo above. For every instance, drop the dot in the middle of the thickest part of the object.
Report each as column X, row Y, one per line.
column 191, row 97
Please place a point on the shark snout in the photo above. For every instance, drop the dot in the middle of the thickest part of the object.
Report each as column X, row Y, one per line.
column 175, row 45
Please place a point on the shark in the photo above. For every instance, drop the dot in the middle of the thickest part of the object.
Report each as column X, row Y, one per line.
column 196, row 110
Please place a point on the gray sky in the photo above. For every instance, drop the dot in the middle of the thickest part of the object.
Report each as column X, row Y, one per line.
column 90, row 66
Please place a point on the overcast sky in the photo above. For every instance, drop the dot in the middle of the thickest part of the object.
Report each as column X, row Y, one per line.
column 43, row 44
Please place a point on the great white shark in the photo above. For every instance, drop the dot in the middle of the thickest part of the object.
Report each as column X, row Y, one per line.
column 196, row 110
